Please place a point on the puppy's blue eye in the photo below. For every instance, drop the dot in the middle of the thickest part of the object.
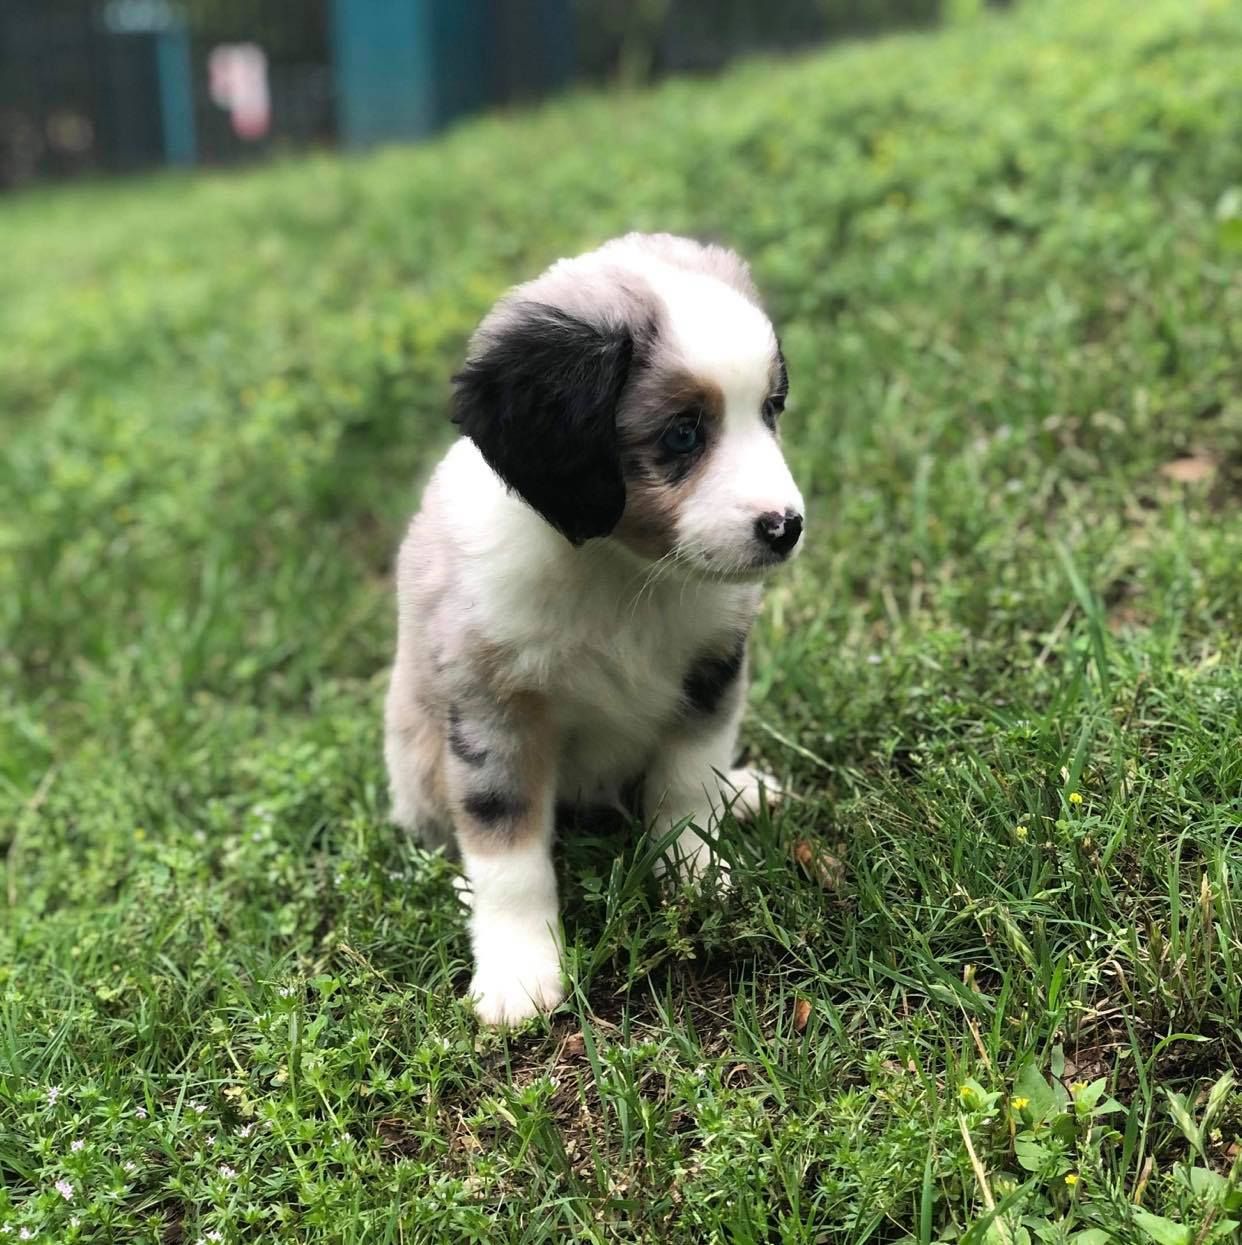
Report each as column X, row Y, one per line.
column 683, row 436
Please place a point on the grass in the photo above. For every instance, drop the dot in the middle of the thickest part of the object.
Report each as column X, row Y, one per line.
column 981, row 982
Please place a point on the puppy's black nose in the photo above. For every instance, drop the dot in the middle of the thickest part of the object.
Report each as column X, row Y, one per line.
column 779, row 532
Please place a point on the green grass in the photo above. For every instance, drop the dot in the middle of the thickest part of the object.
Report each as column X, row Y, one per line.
column 1004, row 261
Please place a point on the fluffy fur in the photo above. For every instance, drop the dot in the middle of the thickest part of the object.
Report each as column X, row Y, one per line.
column 575, row 593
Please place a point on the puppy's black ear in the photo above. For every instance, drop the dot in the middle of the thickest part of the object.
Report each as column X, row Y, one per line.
column 540, row 401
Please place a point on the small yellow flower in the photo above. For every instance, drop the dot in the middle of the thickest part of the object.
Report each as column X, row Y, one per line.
column 1075, row 797
column 1071, row 1179
column 1020, row 832
column 1077, row 1087
column 1019, row 1104
column 971, row 1097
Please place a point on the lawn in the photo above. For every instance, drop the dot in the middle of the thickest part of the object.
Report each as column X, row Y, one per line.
column 981, row 980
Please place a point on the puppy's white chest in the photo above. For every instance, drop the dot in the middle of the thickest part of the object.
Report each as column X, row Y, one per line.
column 605, row 645
column 620, row 690
column 611, row 708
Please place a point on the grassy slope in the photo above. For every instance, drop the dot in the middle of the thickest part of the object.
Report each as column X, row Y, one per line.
column 1007, row 300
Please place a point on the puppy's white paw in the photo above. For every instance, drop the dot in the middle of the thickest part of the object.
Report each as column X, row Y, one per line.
column 507, row 989
column 705, row 868
column 692, row 860
column 742, row 789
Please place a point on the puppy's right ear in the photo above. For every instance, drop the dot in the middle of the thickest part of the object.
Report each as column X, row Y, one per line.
column 539, row 398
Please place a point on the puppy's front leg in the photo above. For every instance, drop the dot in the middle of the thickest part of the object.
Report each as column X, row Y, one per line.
column 683, row 783
column 501, row 780
column 692, row 777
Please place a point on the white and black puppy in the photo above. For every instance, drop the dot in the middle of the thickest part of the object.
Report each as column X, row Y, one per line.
column 575, row 594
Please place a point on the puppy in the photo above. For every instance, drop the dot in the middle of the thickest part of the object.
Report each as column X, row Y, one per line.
column 574, row 596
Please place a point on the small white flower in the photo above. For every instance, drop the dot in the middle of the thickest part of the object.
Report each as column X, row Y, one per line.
column 130, row 1167
column 211, row 1141
column 198, row 1108
column 285, row 992
column 227, row 1172
column 25, row 1234
column 245, row 1130
column 52, row 1094
column 140, row 1112
column 75, row 1222
column 77, row 1145
column 65, row 1189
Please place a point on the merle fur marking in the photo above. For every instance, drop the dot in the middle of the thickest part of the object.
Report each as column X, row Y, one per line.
column 710, row 678
column 466, row 752
column 540, row 402
column 492, row 807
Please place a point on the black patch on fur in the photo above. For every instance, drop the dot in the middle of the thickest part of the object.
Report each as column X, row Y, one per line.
column 460, row 746
column 711, row 676
column 491, row 807
column 540, row 402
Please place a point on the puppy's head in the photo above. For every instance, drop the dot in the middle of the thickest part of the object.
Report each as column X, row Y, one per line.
column 634, row 393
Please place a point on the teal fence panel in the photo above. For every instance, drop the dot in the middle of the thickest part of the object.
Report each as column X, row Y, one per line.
column 175, row 77
column 385, row 70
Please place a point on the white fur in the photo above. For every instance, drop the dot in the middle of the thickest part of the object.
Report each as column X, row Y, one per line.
column 603, row 637
column 609, row 644
column 515, row 933
column 593, row 627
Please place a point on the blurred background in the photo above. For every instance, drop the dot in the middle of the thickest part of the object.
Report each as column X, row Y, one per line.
column 115, row 86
